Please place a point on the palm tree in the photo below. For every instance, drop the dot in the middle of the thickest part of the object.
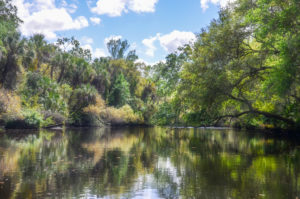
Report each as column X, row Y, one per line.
column 10, row 66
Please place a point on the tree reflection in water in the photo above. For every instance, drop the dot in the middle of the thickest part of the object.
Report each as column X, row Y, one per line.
column 148, row 162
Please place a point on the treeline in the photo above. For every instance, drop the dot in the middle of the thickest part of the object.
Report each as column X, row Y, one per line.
column 243, row 70
column 45, row 84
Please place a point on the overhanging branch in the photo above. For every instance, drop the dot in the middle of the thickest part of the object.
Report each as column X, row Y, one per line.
column 266, row 114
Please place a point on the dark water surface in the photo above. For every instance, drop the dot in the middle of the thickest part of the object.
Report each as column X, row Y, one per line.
column 148, row 163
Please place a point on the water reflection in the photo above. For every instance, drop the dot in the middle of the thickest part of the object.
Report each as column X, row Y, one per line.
column 148, row 163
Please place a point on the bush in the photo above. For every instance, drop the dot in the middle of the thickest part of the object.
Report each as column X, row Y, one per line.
column 56, row 118
column 82, row 97
column 30, row 119
column 10, row 105
column 91, row 114
column 165, row 114
column 33, row 118
column 200, row 118
column 41, row 91
column 19, row 124
column 121, row 116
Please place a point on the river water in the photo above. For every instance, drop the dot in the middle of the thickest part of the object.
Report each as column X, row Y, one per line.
column 148, row 163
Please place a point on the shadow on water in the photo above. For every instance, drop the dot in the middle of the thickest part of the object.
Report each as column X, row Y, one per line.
column 148, row 162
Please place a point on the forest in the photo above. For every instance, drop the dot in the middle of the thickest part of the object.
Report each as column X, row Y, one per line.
column 243, row 71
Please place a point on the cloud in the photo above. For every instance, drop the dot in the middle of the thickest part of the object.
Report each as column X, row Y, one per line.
column 142, row 5
column 46, row 18
column 112, row 8
column 133, row 46
column 169, row 42
column 87, row 44
column 115, row 8
column 222, row 3
column 71, row 8
column 149, row 43
column 114, row 37
column 95, row 20
column 98, row 52
column 87, row 40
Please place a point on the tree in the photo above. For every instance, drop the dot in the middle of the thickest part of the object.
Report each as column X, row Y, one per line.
column 102, row 78
column 42, row 50
column 118, row 48
column 8, row 52
column 234, row 63
column 120, row 94
column 10, row 68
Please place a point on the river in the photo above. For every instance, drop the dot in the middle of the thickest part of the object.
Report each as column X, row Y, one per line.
column 148, row 163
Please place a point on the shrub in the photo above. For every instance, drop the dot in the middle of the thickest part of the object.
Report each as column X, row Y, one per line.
column 10, row 105
column 30, row 119
column 121, row 116
column 200, row 118
column 165, row 114
column 33, row 118
column 82, row 97
column 56, row 118
column 91, row 114
column 41, row 91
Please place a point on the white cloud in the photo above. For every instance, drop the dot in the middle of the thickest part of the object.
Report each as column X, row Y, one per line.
column 169, row 42
column 111, row 8
column 222, row 3
column 149, row 43
column 87, row 44
column 99, row 52
column 87, row 47
column 46, row 18
column 114, row 37
column 133, row 46
column 72, row 8
column 95, row 20
column 42, row 4
column 115, row 8
column 142, row 5
column 87, row 40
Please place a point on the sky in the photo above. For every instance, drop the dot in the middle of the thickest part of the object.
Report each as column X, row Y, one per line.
column 154, row 28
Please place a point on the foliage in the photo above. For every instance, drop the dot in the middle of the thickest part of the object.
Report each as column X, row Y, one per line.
column 120, row 94
column 117, row 116
column 242, row 69
column 10, row 67
column 52, row 96
column 121, row 116
column 239, row 67
column 10, row 105
column 117, row 49
column 81, row 97
column 165, row 114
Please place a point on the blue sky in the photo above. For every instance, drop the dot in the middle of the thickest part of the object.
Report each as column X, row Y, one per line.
column 153, row 27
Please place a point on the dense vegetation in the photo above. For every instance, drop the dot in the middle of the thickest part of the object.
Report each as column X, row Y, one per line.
column 242, row 70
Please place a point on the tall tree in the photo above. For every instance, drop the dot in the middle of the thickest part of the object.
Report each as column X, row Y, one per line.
column 118, row 48
column 10, row 64
column 120, row 94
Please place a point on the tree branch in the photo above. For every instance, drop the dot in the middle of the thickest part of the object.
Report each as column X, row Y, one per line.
column 266, row 114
